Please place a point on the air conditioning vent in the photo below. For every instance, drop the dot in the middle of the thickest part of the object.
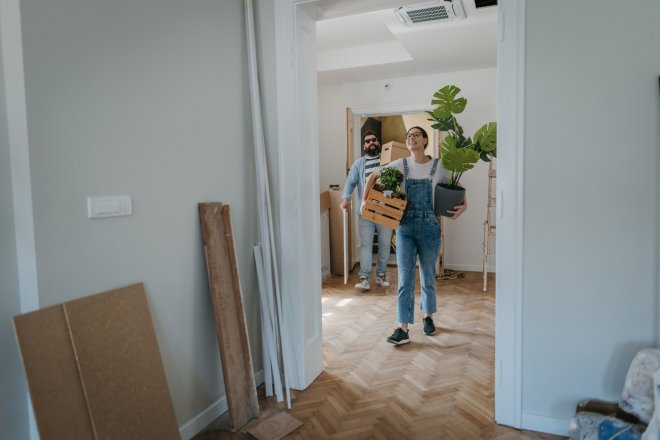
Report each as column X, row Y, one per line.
column 434, row 12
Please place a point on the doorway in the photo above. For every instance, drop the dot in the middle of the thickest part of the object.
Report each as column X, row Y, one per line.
column 390, row 128
column 303, row 195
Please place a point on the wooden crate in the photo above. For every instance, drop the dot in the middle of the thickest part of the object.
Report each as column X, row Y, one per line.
column 383, row 210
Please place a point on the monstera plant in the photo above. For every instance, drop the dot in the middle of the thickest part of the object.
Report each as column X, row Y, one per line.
column 459, row 153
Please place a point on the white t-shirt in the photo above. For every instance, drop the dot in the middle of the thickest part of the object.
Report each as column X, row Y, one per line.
column 421, row 171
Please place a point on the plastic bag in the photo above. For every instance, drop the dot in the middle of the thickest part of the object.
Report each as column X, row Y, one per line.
column 637, row 395
column 591, row 426
column 653, row 430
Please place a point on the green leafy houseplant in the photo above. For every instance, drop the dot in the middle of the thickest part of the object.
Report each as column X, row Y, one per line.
column 389, row 179
column 460, row 153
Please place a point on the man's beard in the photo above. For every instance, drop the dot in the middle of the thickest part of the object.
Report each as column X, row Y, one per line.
column 373, row 151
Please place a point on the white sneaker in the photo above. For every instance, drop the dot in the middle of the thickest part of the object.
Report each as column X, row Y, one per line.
column 381, row 280
column 363, row 284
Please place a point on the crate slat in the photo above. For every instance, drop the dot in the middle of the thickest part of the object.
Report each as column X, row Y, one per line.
column 381, row 220
column 383, row 210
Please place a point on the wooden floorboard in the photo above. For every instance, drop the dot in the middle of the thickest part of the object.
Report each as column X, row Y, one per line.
column 436, row 387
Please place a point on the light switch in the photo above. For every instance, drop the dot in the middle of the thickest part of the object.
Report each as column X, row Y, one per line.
column 109, row 206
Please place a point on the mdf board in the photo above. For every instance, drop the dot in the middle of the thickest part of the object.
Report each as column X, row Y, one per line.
column 337, row 234
column 94, row 369
column 56, row 390
column 229, row 315
column 120, row 366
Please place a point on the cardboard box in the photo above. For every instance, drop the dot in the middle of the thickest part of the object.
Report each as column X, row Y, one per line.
column 383, row 210
column 337, row 234
column 392, row 151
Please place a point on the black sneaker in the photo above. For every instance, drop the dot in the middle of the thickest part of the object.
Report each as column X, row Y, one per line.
column 399, row 337
column 429, row 327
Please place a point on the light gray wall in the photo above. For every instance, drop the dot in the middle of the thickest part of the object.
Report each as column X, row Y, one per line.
column 590, row 199
column 13, row 404
column 147, row 98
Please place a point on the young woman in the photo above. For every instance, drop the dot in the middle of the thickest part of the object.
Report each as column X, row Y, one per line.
column 418, row 233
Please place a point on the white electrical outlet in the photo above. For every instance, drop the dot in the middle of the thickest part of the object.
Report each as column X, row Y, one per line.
column 109, row 206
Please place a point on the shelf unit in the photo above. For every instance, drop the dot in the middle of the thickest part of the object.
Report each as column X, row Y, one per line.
column 489, row 223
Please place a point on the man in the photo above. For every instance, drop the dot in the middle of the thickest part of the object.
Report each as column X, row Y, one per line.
column 358, row 175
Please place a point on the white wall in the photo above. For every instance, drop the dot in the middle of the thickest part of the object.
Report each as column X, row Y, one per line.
column 590, row 199
column 463, row 237
column 146, row 98
column 13, row 405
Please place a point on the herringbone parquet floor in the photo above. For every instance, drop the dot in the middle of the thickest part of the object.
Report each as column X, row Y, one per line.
column 436, row 387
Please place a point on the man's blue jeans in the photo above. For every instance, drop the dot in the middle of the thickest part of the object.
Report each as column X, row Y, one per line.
column 416, row 236
column 367, row 230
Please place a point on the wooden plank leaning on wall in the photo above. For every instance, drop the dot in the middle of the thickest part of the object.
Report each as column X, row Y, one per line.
column 230, row 324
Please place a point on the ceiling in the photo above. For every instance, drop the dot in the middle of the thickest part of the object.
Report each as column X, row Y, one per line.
column 362, row 40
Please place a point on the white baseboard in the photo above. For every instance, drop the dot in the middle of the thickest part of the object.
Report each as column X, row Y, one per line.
column 469, row 267
column 195, row 425
column 547, row 425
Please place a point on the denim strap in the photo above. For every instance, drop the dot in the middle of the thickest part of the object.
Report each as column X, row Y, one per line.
column 434, row 167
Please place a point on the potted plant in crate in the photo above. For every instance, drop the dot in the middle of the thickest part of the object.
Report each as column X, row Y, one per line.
column 384, row 203
column 459, row 153
column 388, row 183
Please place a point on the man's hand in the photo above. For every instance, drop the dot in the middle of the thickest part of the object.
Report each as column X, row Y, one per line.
column 344, row 204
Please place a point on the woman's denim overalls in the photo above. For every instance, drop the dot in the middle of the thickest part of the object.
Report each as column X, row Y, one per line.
column 418, row 234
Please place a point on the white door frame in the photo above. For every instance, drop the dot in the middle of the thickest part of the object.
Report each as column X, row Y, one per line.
column 509, row 237
column 508, row 344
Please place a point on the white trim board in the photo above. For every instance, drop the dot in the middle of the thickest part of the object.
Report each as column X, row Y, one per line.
column 298, row 187
column 477, row 268
column 19, row 156
column 509, row 214
column 532, row 422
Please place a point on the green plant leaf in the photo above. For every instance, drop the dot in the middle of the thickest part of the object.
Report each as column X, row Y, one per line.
column 443, row 124
column 447, row 103
column 486, row 137
column 464, row 142
column 390, row 178
column 448, row 143
column 459, row 160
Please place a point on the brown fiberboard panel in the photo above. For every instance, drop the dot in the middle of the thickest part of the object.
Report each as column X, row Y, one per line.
column 229, row 315
column 121, row 367
column 275, row 428
column 53, row 379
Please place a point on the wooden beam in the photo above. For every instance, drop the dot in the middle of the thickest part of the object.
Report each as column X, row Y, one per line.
column 229, row 315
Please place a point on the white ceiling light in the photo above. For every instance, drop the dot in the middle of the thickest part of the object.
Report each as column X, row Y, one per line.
column 433, row 12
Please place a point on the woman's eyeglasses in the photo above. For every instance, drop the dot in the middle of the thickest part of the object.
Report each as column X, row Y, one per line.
column 414, row 135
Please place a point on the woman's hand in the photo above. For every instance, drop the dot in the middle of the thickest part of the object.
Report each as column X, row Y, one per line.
column 458, row 210
column 368, row 185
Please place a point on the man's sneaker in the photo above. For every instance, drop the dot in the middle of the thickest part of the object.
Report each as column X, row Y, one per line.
column 363, row 284
column 381, row 280
column 399, row 337
column 429, row 327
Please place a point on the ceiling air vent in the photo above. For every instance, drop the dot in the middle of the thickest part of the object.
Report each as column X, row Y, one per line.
column 434, row 12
